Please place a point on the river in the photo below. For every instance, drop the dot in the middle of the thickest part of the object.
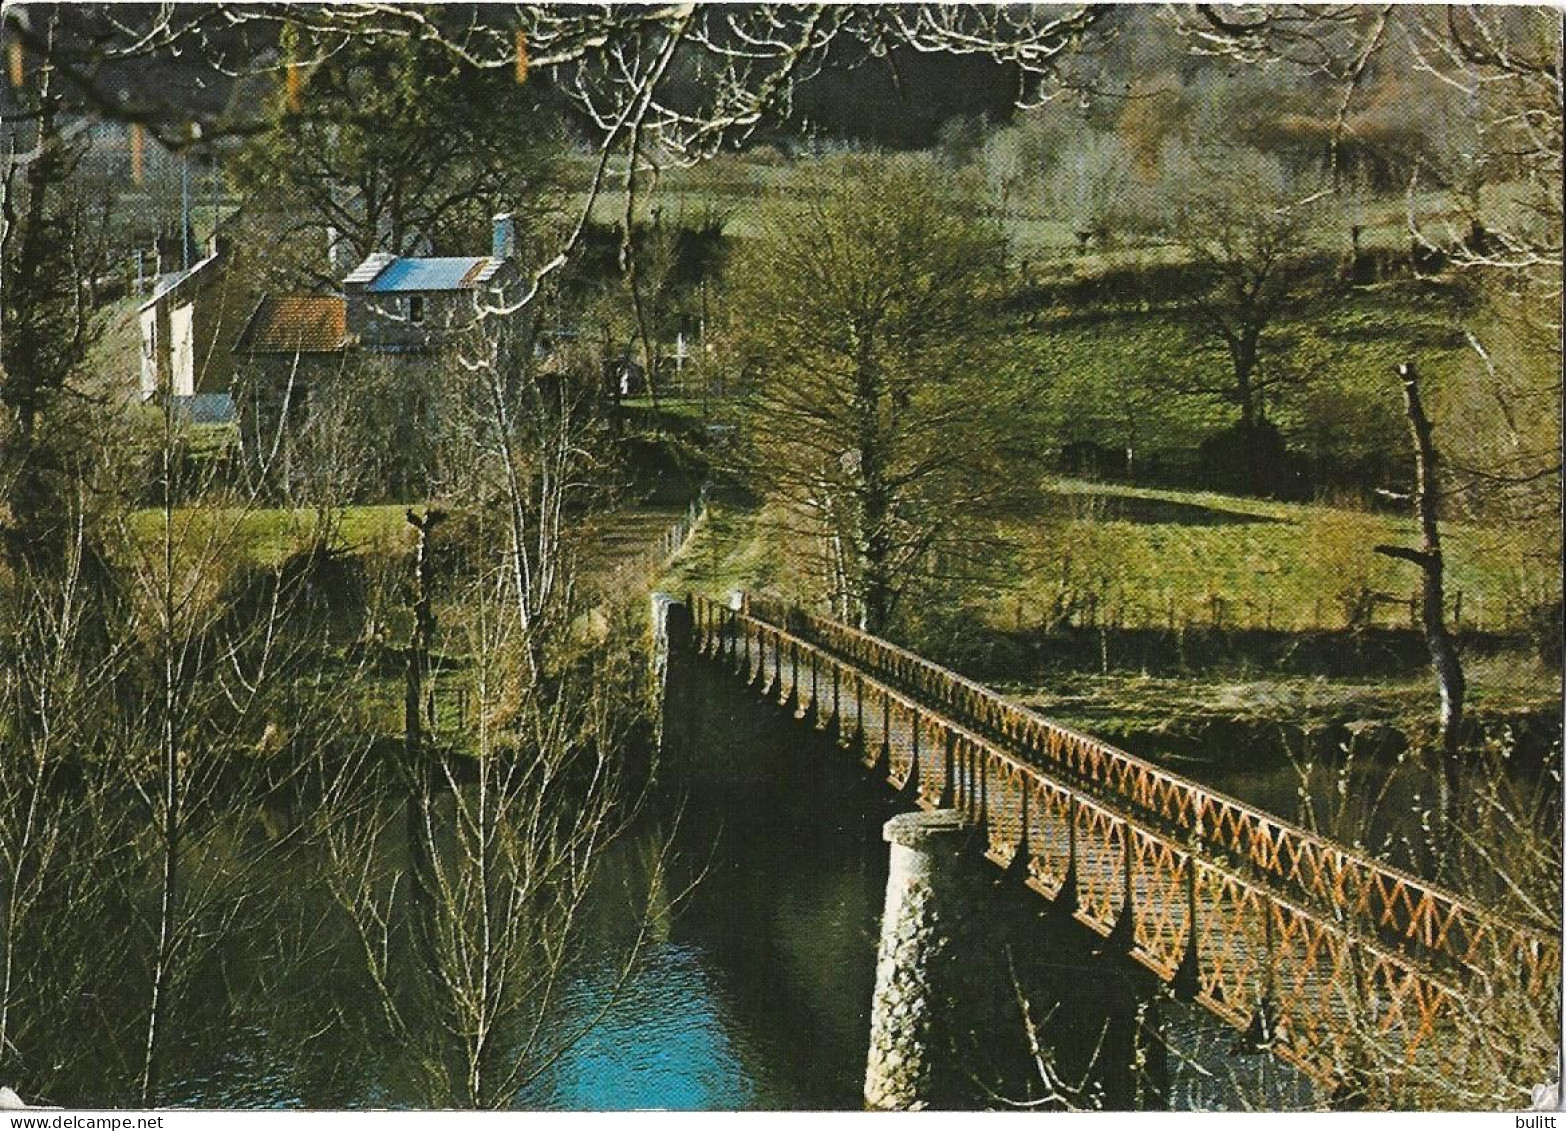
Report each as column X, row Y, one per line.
column 753, row 988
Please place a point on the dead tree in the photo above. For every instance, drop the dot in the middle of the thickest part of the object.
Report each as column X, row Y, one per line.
column 1444, row 660
column 419, row 769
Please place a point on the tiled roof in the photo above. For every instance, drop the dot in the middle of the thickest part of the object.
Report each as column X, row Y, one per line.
column 450, row 273
column 295, row 324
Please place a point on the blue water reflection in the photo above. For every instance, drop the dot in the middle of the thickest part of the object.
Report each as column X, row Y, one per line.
column 670, row 1041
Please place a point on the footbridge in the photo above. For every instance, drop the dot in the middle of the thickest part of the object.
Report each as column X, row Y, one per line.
column 1337, row 963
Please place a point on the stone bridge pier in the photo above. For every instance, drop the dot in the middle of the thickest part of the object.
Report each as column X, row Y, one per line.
column 985, row 999
column 918, row 971
column 973, row 989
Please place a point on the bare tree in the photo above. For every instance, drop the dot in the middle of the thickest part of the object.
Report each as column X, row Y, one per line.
column 507, row 822
column 1496, row 220
column 225, row 703
column 511, row 829
column 1089, row 185
column 46, row 326
column 392, row 144
column 627, row 70
column 155, row 692
column 1246, row 230
column 60, row 828
column 860, row 315
column 1444, row 660
column 1505, row 67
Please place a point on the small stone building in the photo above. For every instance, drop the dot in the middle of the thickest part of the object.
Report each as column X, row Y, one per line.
column 295, row 336
column 391, row 305
column 418, row 304
column 291, row 345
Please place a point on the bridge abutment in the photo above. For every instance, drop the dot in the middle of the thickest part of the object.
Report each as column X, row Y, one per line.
column 673, row 631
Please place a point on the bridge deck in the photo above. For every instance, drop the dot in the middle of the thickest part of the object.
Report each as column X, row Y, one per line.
column 1332, row 960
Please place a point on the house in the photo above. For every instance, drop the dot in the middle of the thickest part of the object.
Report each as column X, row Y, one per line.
column 388, row 329
column 418, row 304
column 188, row 327
column 390, row 305
column 296, row 335
column 290, row 345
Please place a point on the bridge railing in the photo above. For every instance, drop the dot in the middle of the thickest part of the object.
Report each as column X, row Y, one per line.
column 1284, row 934
column 1398, row 906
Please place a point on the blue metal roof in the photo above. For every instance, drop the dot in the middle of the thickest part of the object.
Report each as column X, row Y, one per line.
column 437, row 274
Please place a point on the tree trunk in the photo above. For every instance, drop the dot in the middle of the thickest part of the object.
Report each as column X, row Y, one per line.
column 31, row 366
column 1242, row 352
column 875, row 503
column 1444, row 660
column 420, row 779
column 170, row 814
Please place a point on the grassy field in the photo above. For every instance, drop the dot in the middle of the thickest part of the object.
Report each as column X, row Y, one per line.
column 671, row 409
column 1095, row 553
column 733, row 187
column 1142, row 557
column 1137, row 558
column 267, row 535
column 1118, row 703
column 1118, row 373
column 738, row 549
column 1104, row 355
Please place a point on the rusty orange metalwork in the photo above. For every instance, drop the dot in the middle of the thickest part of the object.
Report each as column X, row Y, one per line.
column 1309, row 948
column 522, row 61
column 137, row 145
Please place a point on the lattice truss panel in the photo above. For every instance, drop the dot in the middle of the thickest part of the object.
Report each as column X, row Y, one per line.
column 1051, row 812
column 1312, row 951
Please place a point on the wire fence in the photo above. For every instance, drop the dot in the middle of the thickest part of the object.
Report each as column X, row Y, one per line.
column 1363, row 608
column 640, row 571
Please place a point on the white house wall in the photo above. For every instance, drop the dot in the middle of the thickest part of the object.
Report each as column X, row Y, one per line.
column 182, row 352
column 149, row 353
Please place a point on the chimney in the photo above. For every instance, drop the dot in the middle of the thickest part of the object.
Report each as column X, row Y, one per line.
column 337, row 252
column 167, row 250
column 503, row 244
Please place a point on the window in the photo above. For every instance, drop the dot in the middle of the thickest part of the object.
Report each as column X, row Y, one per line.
column 416, row 308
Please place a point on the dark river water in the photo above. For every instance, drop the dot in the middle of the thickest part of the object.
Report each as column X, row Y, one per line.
column 756, row 994
column 754, row 987
column 751, row 993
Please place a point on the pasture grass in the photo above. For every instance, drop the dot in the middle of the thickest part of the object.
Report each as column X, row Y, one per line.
column 1096, row 553
column 739, row 548
column 733, row 186
column 267, row 535
column 1146, row 557
column 1120, row 703
column 1296, row 566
